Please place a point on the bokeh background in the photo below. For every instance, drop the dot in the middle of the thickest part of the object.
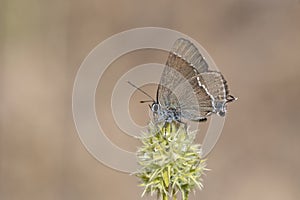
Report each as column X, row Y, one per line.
column 255, row 43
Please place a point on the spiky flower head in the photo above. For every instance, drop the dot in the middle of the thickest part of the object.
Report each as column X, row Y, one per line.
column 170, row 162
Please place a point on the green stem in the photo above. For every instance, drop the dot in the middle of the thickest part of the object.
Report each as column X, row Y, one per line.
column 165, row 197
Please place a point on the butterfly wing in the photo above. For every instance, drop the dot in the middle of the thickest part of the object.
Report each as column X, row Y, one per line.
column 196, row 103
column 183, row 63
column 189, row 53
column 179, row 86
column 218, row 89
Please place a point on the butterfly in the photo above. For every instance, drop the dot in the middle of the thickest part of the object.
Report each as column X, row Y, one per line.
column 188, row 89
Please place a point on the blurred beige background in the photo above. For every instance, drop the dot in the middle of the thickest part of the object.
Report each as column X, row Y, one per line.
column 255, row 43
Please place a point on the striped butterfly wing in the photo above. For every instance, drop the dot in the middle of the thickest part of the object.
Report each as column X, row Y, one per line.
column 195, row 105
column 179, row 86
column 218, row 89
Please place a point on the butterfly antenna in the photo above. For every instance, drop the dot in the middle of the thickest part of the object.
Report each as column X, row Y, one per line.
column 152, row 100
column 146, row 101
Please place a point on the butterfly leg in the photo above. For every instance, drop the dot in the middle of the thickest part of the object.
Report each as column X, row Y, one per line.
column 165, row 129
column 184, row 123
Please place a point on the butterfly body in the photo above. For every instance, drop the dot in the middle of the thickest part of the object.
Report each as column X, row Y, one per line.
column 166, row 113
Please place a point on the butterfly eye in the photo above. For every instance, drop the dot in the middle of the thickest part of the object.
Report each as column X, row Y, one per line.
column 155, row 107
